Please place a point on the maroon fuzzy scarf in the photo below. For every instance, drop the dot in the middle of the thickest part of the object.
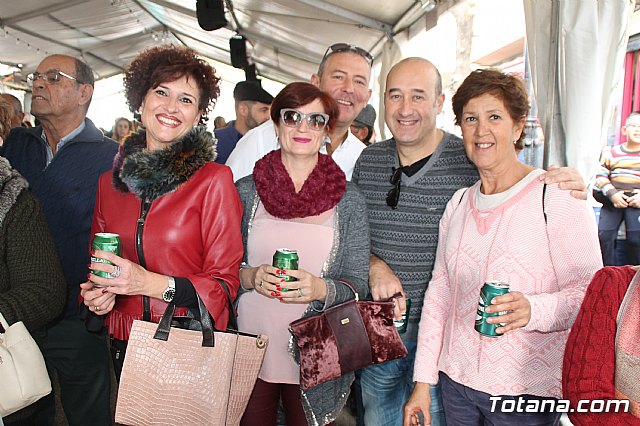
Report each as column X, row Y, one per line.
column 322, row 190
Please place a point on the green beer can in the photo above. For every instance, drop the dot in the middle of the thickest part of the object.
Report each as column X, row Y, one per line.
column 286, row 259
column 401, row 325
column 489, row 290
column 106, row 242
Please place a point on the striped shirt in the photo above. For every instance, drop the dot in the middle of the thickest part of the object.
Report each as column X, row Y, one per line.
column 619, row 171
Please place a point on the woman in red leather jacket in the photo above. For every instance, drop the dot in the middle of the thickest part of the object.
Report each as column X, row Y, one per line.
column 177, row 212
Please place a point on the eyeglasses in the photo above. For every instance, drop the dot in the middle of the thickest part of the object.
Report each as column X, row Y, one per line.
column 50, row 76
column 346, row 47
column 293, row 118
column 394, row 193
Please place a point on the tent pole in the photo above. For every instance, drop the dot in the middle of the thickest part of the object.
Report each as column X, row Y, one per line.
column 553, row 132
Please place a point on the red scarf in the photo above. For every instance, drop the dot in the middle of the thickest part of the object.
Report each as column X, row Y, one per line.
column 322, row 190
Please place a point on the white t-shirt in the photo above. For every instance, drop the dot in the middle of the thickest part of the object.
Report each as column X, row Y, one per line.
column 259, row 141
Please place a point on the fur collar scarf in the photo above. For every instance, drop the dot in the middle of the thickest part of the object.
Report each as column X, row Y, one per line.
column 151, row 174
column 11, row 185
column 322, row 190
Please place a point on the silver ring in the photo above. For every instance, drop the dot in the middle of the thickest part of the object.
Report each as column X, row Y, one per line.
column 261, row 283
column 116, row 272
column 299, row 292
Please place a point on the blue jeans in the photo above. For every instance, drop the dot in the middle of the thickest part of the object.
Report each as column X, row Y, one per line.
column 468, row 407
column 386, row 387
column 608, row 224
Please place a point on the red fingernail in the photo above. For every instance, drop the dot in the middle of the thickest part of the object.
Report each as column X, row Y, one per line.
column 283, row 272
column 278, row 293
column 281, row 299
column 282, row 280
column 278, row 287
column 278, row 271
column 273, row 293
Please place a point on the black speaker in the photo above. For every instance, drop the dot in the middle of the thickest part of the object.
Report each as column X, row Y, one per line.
column 210, row 14
column 238, row 51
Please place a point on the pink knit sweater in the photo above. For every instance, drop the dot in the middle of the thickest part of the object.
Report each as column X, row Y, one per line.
column 551, row 264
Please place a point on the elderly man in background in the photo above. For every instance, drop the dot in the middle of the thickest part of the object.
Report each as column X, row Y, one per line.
column 17, row 115
column 252, row 105
column 62, row 160
column 344, row 74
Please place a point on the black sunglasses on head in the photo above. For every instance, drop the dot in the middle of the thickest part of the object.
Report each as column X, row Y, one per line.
column 346, row 47
column 394, row 193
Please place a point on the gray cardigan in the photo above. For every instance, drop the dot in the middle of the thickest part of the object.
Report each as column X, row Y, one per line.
column 349, row 260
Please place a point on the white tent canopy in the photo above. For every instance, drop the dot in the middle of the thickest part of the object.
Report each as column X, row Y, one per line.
column 287, row 37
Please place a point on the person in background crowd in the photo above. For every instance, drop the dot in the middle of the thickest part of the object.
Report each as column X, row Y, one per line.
column 252, row 109
column 17, row 115
column 190, row 208
column 219, row 122
column 547, row 264
column 298, row 198
column 5, row 119
column 344, row 73
column 121, row 129
column 32, row 287
column 62, row 159
column 362, row 126
column 619, row 181
column 407, row 181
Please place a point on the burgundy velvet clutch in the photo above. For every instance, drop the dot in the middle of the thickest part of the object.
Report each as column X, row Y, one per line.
column 345, row 338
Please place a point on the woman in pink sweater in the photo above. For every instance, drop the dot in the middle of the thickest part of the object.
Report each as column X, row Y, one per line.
column 512, row 228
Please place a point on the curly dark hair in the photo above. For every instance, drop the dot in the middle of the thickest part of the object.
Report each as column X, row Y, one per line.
column 161, row 64
column 510, row 89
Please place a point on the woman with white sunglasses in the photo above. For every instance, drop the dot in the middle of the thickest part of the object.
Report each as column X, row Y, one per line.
column 299, row 199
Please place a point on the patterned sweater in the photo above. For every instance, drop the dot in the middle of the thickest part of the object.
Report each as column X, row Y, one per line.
column 619, row 171
column 406, row 238
column 551, row 263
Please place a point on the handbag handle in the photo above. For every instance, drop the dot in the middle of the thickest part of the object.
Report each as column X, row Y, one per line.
column 233, row 314
column 208, row 340
column 164, row 326
column 3, row 323
column 353, row 289
column 351, row 286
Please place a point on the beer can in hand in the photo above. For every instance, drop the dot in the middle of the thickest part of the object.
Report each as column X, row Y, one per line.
column 489, row 290
column 286, row 259
column 106, row 242
column 401, row 324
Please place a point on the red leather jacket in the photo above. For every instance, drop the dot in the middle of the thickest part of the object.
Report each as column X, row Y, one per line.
column 192, row 232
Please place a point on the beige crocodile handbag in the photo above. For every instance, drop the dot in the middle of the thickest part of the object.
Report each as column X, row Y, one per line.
column 173, row 376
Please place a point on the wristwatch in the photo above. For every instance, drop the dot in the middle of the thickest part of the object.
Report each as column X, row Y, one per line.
column 170, row 291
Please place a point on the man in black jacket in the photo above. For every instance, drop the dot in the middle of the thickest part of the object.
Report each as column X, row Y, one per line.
column 62, row 160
